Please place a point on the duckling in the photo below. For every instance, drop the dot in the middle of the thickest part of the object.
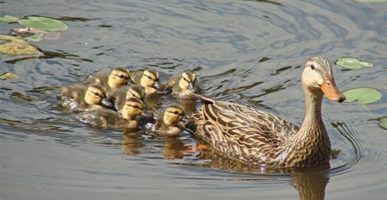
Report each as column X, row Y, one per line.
column 168, row 124
column 148, row 79
column 110, row 79
column 181, row 84
column 77, row 97
column 104, row 118
column 118, row 97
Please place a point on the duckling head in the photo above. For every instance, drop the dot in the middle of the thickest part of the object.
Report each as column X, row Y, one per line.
column 317, row 78
column 135, row 91
column 173, row 115
column 150, row 78
column 118, row 77
column 187, row 81
column 94, row 94
column 133, row 107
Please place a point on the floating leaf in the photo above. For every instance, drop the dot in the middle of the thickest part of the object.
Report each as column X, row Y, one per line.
column 44, row 24
column 15, row 46
column 7, row 76
column 35, row 38
column 9, row 18
column 383, row 122
column 352, row 63
column 362, row 95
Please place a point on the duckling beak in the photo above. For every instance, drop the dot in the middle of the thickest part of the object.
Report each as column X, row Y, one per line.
column 157, row 85
column 107, row 103
column 191, row 87
column 331, row 91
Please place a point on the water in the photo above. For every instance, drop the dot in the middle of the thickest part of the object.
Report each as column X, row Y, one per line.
column 243, row 51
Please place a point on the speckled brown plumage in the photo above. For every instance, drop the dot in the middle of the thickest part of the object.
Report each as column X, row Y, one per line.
column 260, row 138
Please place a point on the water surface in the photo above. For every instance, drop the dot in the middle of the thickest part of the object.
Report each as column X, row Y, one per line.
column 243, row 51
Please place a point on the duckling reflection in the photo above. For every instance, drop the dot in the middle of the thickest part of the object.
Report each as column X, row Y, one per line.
column 110, row 79
column 148, row 79
column 77, row 97
column 174, row 149
column 104, row 118
column 118, row 97
column 169, row 123
column 132, row 142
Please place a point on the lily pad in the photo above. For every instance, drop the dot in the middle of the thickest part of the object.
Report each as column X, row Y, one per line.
column 7, row 76
column 15, row 46
column 43, row 23
column 383, row 122
column 9, row 19
column 352, row 63
column 35, row 38
column 362, row 95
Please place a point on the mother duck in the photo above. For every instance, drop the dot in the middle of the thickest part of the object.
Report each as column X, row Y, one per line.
column 260, row 138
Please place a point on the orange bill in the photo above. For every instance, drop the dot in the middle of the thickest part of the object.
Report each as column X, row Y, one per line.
column 331, row 91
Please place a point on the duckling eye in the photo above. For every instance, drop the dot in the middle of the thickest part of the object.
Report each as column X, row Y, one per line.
column 312, row 67
column 149, row 77
column 97, row 94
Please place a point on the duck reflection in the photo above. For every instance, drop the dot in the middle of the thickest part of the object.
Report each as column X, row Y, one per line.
column 310, row 183
column 132, row 142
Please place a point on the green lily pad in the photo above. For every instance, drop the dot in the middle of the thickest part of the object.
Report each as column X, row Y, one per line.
column 9, row 19
column 43, row 23
column 15, row 46
column 352, row 63
column 383, row 122
column 362, row 95
column 35, row 38
column 7, row 76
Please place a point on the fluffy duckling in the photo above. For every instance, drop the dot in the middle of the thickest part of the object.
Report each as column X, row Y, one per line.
column 168, row 124
column 148, row 79
column 110, row 79
column 77, row 97
column 182, row 84
column 118, row 97
column 104, row 118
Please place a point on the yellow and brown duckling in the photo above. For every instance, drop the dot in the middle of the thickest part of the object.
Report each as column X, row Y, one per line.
column 110, row 79
column 118, row 97
column 104, row 118
column 77, row 97
column 148, row 79
column 169, row 124
column 182, row 85
column 261, row 138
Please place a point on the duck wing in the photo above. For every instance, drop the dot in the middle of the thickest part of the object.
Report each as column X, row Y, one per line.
column 242, row 132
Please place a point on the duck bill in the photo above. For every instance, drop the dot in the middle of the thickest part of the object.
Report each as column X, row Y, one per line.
column 191, row 87
column 331, row 91
column 107, row 103
column 157, row 85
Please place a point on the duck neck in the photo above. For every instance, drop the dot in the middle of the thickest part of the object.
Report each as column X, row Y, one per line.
column 313, row 100
column 311, row 141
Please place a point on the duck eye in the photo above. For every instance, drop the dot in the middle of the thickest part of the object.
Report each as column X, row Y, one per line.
column 312, row 67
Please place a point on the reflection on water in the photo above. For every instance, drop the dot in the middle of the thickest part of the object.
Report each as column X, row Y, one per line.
column 243, row 51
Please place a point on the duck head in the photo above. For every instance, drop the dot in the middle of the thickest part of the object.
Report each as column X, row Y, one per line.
column 133, row 107
column 187, row 81
column 135, row 91
column 150, row 78
column 95, row 94
column 317, row 77
column 118, row 77
column 173, row 115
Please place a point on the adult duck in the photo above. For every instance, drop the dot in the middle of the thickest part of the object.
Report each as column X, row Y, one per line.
column 260, row 138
